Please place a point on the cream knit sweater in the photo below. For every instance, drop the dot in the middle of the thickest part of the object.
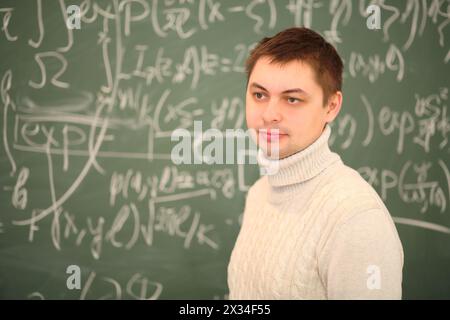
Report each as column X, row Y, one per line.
column 315, row 230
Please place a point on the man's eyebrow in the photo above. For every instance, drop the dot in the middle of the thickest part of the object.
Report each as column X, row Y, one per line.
column 256, row 85
column 294, row 90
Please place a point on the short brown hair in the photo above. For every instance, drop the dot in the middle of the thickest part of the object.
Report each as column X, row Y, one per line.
column 305, row 45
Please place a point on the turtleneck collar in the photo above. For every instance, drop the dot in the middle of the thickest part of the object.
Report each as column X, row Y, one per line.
column 300, row 166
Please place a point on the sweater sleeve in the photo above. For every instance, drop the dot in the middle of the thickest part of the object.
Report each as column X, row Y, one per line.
column 363, row 259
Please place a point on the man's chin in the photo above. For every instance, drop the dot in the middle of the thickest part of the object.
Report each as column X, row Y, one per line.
column 273, row 153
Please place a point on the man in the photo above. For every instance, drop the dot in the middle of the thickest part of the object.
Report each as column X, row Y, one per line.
column 314, row 229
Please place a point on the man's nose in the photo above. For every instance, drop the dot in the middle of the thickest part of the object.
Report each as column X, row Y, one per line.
column 272, row 112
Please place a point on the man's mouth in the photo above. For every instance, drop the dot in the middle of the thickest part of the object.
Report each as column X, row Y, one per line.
column 271, row 135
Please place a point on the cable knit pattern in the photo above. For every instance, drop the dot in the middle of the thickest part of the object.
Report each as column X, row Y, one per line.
column 315, row 230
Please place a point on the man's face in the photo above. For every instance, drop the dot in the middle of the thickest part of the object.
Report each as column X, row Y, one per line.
column 286, row 98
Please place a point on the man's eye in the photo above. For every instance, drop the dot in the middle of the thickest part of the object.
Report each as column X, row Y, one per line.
column 293, row 100
column 258, row 95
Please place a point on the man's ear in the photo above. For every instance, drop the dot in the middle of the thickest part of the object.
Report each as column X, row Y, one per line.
column 334, row 105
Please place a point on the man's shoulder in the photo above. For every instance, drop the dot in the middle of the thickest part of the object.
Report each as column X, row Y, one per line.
column 347, row 188
column 348, row 179
column 352, row 200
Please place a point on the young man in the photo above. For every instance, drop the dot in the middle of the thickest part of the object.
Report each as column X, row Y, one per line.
column 314, row 229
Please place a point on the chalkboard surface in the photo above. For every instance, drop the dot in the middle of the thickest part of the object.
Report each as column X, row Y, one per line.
column 87, row 116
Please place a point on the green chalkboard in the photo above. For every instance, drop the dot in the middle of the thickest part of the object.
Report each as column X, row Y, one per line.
column 87, row 178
